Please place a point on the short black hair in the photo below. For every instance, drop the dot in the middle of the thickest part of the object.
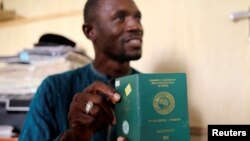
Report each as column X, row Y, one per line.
column 89, row 10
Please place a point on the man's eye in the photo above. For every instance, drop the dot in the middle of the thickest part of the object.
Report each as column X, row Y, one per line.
column 120, row 17
column 138, row 16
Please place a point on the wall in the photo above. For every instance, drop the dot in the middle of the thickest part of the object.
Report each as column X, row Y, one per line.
column 194, row 36
column 198, row 38
column 38, row 17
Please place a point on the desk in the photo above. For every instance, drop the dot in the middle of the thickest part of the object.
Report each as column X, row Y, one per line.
column 8, row 139
column 15, row 119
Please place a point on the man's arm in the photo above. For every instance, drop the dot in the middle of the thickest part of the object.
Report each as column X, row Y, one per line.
column 39, row 120
column 83, row 123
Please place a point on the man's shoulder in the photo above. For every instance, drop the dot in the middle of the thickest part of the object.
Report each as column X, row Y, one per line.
column 69, row 75
column 71, row 72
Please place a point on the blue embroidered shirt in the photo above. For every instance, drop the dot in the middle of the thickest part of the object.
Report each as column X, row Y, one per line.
column 47, row 117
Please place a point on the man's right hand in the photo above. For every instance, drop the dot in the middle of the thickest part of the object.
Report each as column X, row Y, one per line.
column 83, row 124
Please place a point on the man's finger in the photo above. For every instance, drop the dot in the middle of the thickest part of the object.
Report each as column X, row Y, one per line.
column 121, row 139
column 99, row 87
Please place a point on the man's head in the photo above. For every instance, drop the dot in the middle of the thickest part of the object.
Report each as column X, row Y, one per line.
column 115, row 29
column 89, row 10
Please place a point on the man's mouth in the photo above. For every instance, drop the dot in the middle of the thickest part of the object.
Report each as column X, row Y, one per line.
column 134, row 42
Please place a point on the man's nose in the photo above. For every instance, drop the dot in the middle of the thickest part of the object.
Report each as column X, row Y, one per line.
column 133, row 24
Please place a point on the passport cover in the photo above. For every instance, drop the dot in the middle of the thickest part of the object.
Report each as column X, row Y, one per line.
column 153, row 107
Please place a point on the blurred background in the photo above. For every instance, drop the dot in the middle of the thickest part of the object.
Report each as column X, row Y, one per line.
column 197, row 37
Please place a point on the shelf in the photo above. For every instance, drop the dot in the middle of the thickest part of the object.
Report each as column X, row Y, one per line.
column 6, row 15
column 18, row 20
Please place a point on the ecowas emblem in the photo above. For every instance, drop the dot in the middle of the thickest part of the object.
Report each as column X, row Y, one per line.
column 163, row 103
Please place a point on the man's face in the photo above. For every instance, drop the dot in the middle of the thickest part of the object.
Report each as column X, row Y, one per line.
column 118, row 30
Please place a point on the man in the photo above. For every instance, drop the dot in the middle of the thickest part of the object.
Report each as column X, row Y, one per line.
column 78, row 105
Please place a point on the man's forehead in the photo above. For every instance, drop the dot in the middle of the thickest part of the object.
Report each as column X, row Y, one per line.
column 116, row 5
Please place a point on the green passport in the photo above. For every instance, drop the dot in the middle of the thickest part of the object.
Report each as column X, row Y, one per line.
column 153, row 107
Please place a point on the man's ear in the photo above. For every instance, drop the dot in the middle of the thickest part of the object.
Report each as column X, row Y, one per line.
column 89, row 32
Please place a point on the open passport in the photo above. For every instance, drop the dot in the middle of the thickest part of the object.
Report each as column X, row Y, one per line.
column 153, row 107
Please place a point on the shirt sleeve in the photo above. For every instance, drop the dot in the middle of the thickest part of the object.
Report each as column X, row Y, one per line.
column 39, row 124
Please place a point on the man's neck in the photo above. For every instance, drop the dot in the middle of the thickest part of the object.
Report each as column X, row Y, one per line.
column 111, row 68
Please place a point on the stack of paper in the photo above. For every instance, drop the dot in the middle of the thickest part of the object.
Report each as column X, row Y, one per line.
column 22, row 74
column 6, row 131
